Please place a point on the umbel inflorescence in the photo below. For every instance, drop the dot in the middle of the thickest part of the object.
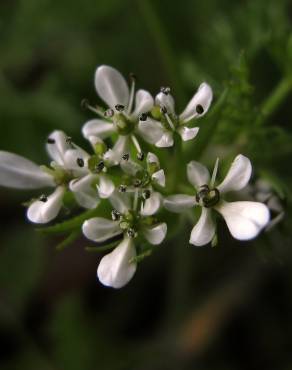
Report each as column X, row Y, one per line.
column 123, row 182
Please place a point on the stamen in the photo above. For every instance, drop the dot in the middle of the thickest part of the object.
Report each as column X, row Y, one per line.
column 131, row 233
column 214, row 174
column 122, row 188
column 126, row 157
column 143, row 117
column 136, row 196
column 132, row 93
column 136, row 143
column 50, row 140
column 86, row 105
column 146, row 194
column 119, row 107
column 109, row 113
column 43, row 198
column 199, row 109
column 99, row 167
column 69, row 140
column 80, row 162
column 164, row 111
column 165, row 90
column 140, row 156
column 137, row 183
column 115, row 215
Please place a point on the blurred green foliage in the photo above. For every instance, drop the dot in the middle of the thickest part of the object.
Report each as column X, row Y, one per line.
column 53, row 315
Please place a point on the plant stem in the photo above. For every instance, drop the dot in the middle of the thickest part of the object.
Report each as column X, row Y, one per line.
column 275, row 99
column 163, row 45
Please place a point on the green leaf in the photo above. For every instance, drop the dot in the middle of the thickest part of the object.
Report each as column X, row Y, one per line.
column 68, row 240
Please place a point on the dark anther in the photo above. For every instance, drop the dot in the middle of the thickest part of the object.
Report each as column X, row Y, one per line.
column 69, row 140
column 165, row 90
column 207, row 197
column 43, row 198
column 126, row 156
column 143, row 117
column 137, row 183
column 199, row 109
column 115, row 215
column 80, row 162
column 163, row 109
column 132, row 76
column 119, row 107
column 50, row 140
column 122, row 188
column 99, row 167
column 109, row 113
column 131, row 233
column 140, row 156
column 84, row 103
column 146, row 194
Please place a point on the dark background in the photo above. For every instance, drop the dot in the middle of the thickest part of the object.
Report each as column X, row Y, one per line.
column 227, row 307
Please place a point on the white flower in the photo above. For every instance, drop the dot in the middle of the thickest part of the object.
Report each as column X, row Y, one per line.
column 121, row 117
column 161, row 133
column 244, row 219
column 69, row 167
column 152, row 175
column 118, row 267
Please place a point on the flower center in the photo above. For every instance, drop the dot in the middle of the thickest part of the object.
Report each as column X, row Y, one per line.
column 123, row 124
column 207, row 197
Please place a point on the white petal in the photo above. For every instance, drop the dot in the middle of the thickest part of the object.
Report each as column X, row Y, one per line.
column 151, row 205
column 42, row 212
column 165, row 141
column 202, row 97
column 188, row 133
column 144, row 103
column 100, row 229
column 87, row 200
column 99, row 128
column 238, row 175
column 106, row 187
column 58, row 147
column 165, row 100
column 244, row 219
column 159, row 177
column 111, row 86
column 114, row 155
column 83, row 184
column 130, row 167
column 71, row 158
column 150, row 130
column 84, row 191
column 179, row 202
column 120, row 201
column 155, row 234
column 115, row 269
column 204, row 230
column 152, row 158
column 198, row 174
column 20, row 173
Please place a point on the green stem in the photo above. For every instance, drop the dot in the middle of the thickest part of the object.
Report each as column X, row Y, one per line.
column 162, row 43
column 275, row 99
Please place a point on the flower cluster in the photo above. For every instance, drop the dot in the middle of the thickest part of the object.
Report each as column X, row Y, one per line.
column 123, row 170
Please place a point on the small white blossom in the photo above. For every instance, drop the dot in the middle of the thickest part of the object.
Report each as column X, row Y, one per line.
column 122, row 116
column 161, row 133
column 244, row 219
column 118, row 267
column 69, row 169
